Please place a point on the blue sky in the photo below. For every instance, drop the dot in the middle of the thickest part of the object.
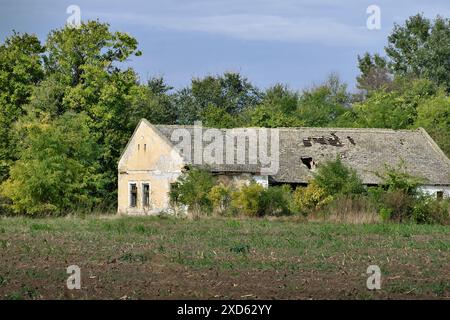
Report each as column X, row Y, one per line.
column 294, row 42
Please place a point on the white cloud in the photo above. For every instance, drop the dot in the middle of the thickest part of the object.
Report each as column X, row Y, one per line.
column 258, row 27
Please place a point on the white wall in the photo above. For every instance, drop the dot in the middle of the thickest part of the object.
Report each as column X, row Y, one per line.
column 262, row 180
column 431, row 190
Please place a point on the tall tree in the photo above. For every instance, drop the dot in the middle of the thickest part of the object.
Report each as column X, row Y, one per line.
column 20, row 70
column 323, row 104
column 56, row 169
column 85, row 73
column 421, row 48
column 230, row 92
column 433, row 115
column 374, row 73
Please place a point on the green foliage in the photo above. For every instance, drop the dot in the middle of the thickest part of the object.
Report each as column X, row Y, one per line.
column 229, row 92
column 56, row 170
column 276, row 201
column 385, row 214
column 395, row 109
column 255, row 200
column 247, row 200
column 398, row 179
column 82, row 71
column 335, row 178
column 83, row 75
column 192, row 189
column 322, row 105
column 20, row 70
column 220, row 197
column 374, row 73
column 430, row 210
column 421, row 48
column 309, row 197
column 215, row 117
column 433, row 115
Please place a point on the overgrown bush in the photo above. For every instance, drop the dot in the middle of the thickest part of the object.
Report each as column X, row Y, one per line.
column 335, row 178
column 276, row 201
column 310, row 197
column 220, row 197
column 247, row 200
column 399, row 203
column 397, row 178
column 192, row 189
column 430, row 210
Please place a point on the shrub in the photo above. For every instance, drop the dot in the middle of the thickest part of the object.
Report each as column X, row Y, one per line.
column 220, row 197
column 399, row 203
column 385, row 214
column 247, row 199
column 192, row 189
column 276, row 201
column 430, row 210
column 395, row 179
column 335, row 178
column 310, row 197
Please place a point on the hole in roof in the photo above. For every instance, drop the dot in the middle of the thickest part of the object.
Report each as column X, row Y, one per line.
column 351, row 140
column 308, row 162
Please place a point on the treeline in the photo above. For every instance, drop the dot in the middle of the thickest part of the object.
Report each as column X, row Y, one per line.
column 68, row 106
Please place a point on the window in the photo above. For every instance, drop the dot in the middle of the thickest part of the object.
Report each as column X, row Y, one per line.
column 145, row 194
column 133, row 195
column 145, row 146
column 440, row 195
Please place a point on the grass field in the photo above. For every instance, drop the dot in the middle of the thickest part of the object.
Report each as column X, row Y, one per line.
column 213, row 258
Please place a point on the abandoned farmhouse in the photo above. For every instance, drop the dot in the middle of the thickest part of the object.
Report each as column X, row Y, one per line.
column 153, row 158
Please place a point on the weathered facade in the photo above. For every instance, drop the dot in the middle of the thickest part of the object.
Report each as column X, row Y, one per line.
column 152, row 160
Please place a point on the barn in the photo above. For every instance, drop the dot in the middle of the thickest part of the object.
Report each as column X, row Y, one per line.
column 156, row 155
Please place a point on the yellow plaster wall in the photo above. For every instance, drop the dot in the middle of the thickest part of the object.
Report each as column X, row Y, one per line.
column 151, row 159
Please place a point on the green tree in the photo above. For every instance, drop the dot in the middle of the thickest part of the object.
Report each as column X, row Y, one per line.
column 421, row 48
column 433, row 115
column 20, row 70
column 56, row 170
column 84, row 74
column 229, row 92
column 395, row 109
column 322, row 105
column 277, row 109
column 375, row 73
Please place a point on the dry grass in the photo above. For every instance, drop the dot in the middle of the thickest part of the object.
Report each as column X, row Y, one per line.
column 354, row 210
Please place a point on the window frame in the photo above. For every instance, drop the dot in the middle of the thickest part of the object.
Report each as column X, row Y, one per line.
column 149, row 194
column 130, row 183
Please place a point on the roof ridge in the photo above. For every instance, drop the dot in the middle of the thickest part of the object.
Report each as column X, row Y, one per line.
column 297, row 128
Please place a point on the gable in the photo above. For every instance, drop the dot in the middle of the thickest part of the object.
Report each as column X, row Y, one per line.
column 147, row 150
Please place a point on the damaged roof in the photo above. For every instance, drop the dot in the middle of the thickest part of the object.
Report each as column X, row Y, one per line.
column 365, row 150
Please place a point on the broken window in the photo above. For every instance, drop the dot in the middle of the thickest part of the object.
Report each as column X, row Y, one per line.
column 146, row 194
column 133, row 194
column 440, row 195
column 308, row 161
